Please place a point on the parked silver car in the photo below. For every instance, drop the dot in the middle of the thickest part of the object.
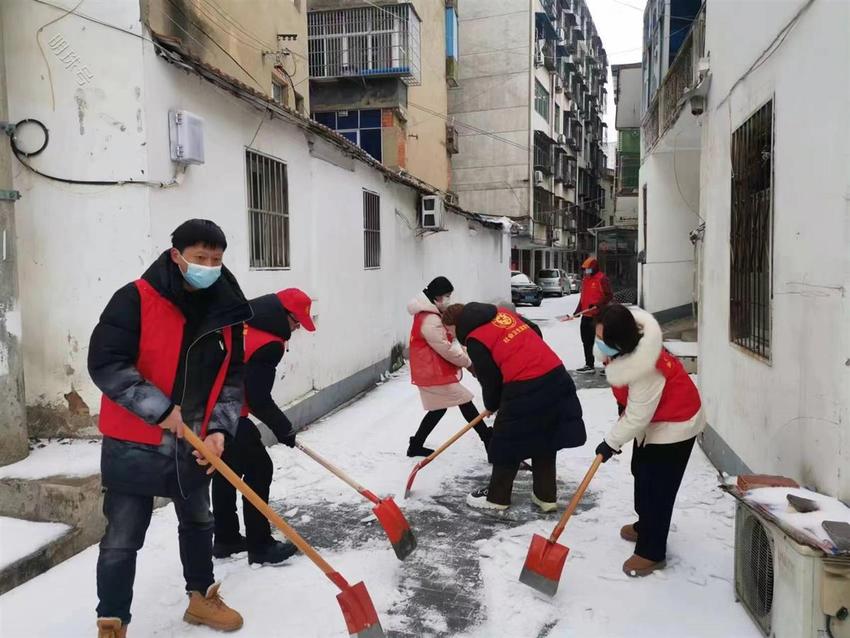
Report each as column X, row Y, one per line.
column 574, row 281
column 553, row 281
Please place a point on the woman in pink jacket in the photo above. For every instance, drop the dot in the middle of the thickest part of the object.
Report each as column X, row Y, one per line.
column 436, row 364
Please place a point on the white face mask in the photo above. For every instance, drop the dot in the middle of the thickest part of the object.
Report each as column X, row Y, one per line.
column 443, row 303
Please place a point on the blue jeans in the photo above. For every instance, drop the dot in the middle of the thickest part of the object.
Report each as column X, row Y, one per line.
column 127, row 519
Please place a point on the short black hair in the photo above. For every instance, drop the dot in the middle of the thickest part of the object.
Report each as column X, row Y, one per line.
column 619, row 328
column 198, row 231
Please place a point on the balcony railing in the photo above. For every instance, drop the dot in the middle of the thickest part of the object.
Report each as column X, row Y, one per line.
column 543, row 158
column 628, row 166
column 682, row 74
column 365, row 42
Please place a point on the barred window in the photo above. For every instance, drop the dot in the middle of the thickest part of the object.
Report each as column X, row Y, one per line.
column 751, row 233
column 268, row 211
column 371, row 230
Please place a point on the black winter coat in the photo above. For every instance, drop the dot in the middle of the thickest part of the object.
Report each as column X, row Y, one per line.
column 168, row 469
column 260, row 370
column 535, row 416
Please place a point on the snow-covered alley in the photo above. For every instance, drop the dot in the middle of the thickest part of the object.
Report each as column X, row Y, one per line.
column 463, row 578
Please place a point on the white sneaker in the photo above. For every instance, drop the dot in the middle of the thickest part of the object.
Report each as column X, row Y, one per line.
column 543, row 505
column 478, row 500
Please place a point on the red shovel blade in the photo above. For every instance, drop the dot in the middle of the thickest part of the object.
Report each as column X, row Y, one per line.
column 360, row 615
column 396, row 526
column 410, row 478
column 543, row 565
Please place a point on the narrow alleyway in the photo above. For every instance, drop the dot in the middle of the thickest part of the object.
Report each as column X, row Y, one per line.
column 462, row 581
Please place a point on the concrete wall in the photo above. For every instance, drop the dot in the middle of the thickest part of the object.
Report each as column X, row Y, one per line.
column 490, row 175
column 13, row 431
column 629, row 86
column 673, row 199
column 82, row 242
column 789, row 416
column 426, row 133
column 207, row 30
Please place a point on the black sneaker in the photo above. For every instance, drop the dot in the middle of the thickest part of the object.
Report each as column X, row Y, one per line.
column 417, row 449
column 223, row 549
column 586, row 370
column 272, row 554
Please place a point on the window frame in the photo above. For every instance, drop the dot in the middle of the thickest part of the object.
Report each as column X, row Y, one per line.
column 273, row 211
column 371, row 235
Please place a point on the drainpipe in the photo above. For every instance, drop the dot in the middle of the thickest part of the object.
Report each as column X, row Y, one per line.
column 13, row 425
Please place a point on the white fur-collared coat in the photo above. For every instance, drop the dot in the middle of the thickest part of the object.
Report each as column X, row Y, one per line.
column 637, row 370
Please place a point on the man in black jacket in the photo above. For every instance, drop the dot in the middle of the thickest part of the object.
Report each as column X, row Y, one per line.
column 266, row 337
column 167, row 354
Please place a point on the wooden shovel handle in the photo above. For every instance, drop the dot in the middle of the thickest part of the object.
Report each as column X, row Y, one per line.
column 259, row 503
column 466, row 428
column 576, row 499
column 330, row 467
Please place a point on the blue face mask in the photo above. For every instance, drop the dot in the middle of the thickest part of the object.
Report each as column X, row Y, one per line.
column 200, row 277
column 605, row 349
column 588, row 271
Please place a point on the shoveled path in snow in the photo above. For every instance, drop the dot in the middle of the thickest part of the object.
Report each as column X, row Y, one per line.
column 462, row 579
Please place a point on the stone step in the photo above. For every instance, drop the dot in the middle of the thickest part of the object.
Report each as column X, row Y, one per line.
column 38, row 560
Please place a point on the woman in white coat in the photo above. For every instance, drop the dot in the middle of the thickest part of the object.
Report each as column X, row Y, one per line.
column 436, row 365
column 660, row 410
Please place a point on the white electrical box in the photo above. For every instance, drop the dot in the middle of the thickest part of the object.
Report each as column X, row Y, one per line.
column 186, row 136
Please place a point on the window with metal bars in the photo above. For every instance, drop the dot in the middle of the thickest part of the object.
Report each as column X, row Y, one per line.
column 751, row 234
column 371, row 230
column 268, row 210
column 541, row 99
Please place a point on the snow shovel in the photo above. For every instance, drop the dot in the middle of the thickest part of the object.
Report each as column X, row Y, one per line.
column 357, row 608
column 546, row 558
column 439, row 451
column 386, row 511
column 578, row 314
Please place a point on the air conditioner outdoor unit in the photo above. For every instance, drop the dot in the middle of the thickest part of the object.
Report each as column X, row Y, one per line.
column 562, row 139
column 538, row 178
column 787, row 588
column 431, row 212
column 559, row 84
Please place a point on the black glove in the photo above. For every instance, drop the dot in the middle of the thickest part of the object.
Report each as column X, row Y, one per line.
column 606, row 451
column 289, row 441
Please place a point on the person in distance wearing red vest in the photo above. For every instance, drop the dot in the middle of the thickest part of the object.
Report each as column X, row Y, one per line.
column 436, row 366
column 595, row 294
column 661, row 411
column 167, row 354
column 266, row 334
column 524, row 380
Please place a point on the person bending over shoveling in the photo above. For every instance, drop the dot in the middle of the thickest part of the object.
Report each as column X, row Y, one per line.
column 436, row 366
column 660, row 409
column 266, row 335
column 524, row 380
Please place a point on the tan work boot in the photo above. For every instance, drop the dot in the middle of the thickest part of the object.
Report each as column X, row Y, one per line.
column 639, row 566
column 210, row 610
column 628, row 533
column 111, row 628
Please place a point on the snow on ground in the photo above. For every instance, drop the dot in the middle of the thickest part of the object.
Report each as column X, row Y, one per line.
column 68, row 457
column 682, row 348
column 462, row 580
column 21, row 538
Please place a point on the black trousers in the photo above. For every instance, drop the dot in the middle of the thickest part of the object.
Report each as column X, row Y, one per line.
column 658, row 472
column 432, row 418
column 588, row 338
column 247, row 456
column 127, row 519
column 543, row 478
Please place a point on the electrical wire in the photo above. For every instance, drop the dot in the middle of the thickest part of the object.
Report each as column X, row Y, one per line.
column 22, row 156
column 44, row 55
column 772, row 48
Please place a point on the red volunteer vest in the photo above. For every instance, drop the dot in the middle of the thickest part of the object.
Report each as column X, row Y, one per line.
column 592, row 293
column 517, row 350
column 254, row 340
column 680, row 398
column 160, row 340
column 427, row 368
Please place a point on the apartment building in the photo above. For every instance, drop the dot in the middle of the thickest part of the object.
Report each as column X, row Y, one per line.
column 380, row 74
column 528, row 113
